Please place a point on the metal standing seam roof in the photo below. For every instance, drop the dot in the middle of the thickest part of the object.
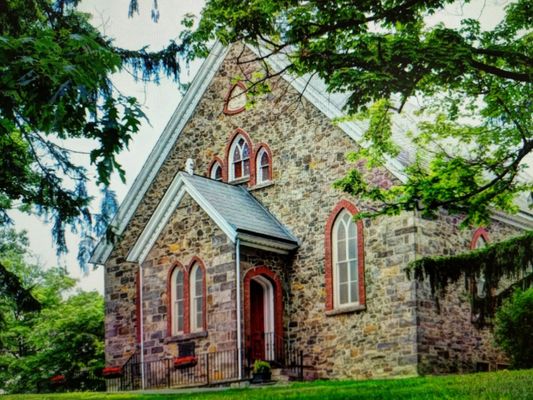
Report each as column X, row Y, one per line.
column 239, row 208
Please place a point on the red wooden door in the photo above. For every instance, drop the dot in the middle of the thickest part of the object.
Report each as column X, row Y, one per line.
column 257, row 321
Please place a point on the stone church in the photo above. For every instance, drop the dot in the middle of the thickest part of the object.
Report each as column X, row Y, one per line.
column 232, row 238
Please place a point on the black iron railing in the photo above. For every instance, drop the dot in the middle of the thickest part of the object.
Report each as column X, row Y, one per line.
column 201, row 370
column 208, row 368
column 277, row 351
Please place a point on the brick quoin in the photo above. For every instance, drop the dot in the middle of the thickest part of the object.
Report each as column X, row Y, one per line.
column 278, row 300
column 352, row 209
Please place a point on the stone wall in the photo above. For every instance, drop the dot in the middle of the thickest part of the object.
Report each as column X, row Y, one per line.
column 308, row 155
column 448, row 340
column 189, row 233
column 120, row 310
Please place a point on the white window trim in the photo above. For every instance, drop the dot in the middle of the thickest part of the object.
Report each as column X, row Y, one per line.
column 336, row 283
column 173, row 294
column 192, row 290
column 231, row 163
column 480, row 280
column 236, row 97
column 258, row 167
column 268, row 309
column 212, row 173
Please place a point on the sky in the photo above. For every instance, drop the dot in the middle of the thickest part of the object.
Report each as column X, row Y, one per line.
column 159, row 101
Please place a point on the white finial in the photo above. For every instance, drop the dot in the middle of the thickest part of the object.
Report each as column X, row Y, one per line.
column 189, row 166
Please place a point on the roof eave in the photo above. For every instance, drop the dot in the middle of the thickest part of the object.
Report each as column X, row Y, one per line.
column 265, row 243
column 168, row 204
column 164, row 145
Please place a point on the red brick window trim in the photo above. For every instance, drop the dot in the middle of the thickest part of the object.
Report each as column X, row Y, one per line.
column 263, row 164
column 177, row 300
column 239, row 154
column 189, row 298
column 234, row 96
column 480, row 239
column 216, row 170
column 348, row 282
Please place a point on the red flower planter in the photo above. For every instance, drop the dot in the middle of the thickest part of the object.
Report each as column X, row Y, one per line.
column 112, row 372
column 185, row 362
column 58, row 379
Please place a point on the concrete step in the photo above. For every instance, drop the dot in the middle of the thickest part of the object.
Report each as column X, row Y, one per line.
column 279, row 375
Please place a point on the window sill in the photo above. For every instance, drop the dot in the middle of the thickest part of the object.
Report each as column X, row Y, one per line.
column 186, row 336
column 244, row 179
column 262, row 185
column 346, row 310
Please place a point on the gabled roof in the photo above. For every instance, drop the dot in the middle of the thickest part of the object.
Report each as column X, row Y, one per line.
column 233, row 208
column 162, row 148
column 313, row 89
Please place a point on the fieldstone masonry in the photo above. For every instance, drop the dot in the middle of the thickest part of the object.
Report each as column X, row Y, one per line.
column 400, row 332
column 448, row 341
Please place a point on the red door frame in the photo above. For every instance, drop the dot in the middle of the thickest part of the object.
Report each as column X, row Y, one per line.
column 278, row 301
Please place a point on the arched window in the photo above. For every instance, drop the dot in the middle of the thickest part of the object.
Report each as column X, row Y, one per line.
column 345, row 289
column 479, row 240
column 197, row 298
column 216, row 172
column 235, row 101
column 263, row 167
column 239, row 159
column 177, row 294
column 345, row 260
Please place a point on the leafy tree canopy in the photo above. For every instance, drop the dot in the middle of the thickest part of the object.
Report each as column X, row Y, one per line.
column 474, row 129
column 65, row 336
column 12, row 288
column 55, row 86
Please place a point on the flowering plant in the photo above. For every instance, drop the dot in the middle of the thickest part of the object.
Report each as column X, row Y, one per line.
column 58, row 379
column 184, row 362
column 111, row 372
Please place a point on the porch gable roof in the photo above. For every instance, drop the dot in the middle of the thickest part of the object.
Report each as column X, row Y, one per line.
column 236, row 212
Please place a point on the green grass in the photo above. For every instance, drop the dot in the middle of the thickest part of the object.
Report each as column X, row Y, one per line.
column 503, row 385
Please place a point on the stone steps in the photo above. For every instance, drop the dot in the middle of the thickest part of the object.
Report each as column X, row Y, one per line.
column 280, row 375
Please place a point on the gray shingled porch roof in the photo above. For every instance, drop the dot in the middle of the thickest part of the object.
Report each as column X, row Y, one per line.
column 238, row 207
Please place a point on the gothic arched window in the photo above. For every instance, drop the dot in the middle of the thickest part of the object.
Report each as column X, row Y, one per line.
column 177, row 294
column 263, row 166
column 345, row 287
column 197, row 297
column 216, row 172
column 239, row 159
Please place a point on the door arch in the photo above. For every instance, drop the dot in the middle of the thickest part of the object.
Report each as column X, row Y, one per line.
column 263, row 313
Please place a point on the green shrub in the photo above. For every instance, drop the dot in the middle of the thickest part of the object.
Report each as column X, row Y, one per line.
column 514, row 328
column 261, row 367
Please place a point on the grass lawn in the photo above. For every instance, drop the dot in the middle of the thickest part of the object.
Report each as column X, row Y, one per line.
column 503, row 385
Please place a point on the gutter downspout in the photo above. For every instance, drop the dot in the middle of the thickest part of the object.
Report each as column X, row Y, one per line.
column 141, row 317
column 238, row 304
